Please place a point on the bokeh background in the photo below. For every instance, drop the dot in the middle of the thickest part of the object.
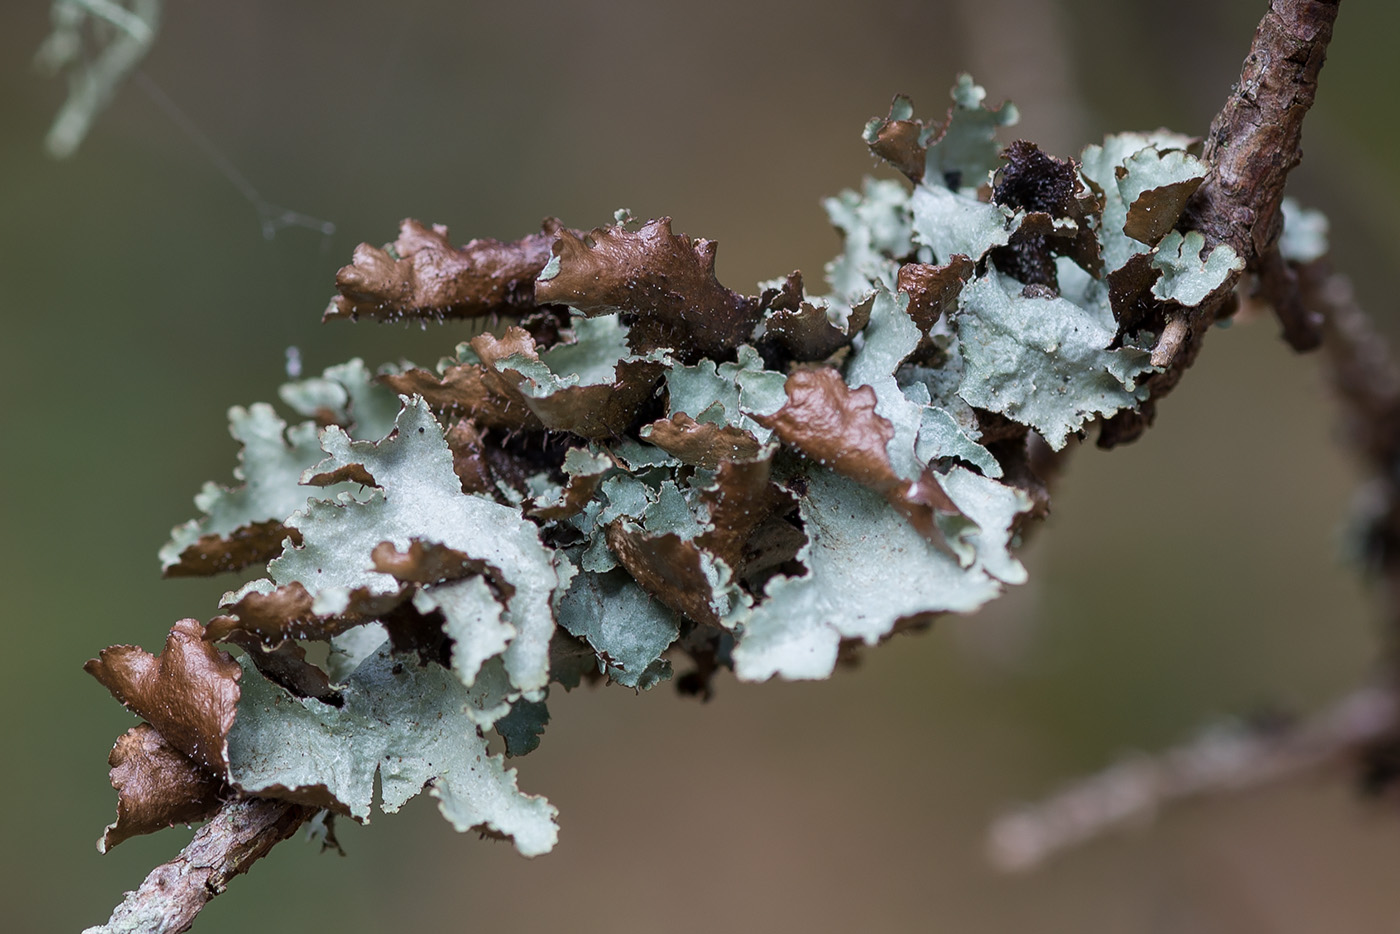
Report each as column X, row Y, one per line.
column 1194, row 575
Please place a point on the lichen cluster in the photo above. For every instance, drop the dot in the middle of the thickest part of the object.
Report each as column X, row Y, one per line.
column 643, row 468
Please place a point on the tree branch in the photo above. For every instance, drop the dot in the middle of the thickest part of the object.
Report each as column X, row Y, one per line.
column 240, row 834
column 1253, row 142
column 1224, row 759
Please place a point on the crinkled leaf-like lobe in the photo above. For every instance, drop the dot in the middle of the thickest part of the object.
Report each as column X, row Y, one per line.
column 837, row 427
column 627, row 628
column 965, row 151
column 1042, row 362
column 940, row 436
column 347, row 395
column 467, row 391
column 727, row 394
column 957, row 153
column 469, row 457
column 742, row 498
column 876, row 229
column 676, row 571
column 425, row 276
column 899, row 139
column 405, row 722
column 889, row 339
column 1156, row 187
column 1130, row 293
column 243, row 525
column 868, row 570
column 666, row 280
column 472, row 619
column 952, row 224
column 157, row 787
column 700, row 444
column 426, row 562
column 214, row 553
column 933, row 290
column 1100, row 165
column 558, row 387
column 419, row 497
column 1186, row 278
column 585, row 471
column 285, row 664
column 805, row 330
column 189, row 693
column 272, row 613
column 522, row 727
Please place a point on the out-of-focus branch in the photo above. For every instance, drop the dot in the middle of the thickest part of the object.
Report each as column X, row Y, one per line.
column 122, row 33
column 237, row 836
column 1224, row 759
column 1367, row 381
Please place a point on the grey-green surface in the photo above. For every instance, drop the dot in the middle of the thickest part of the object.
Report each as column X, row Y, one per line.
column 141, row 302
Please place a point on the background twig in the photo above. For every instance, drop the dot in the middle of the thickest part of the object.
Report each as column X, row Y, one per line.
column 1225, row 759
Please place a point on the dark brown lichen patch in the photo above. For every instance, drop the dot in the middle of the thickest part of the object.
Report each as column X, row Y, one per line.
column 157, row 785
column 433, row 563
column 422, row 275
column 1155, row 212
column 254, row 543
column 741, row 499
column 934, row 290
column 271, row 616
column 189, row 693
column 901, row 140
column 700, row 444
column 1037, row 183
column 664, row 282
column 797, row 330
column 469, row 458
column 837, row 426
column 666, row 566
column 1130, row 296
column 463, row 391
column 602, row 410
column 286, row 664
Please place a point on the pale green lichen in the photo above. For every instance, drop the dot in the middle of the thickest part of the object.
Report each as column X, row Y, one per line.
column 1304, row 237
column 406, row 724
column 1186, row 278
column 542, row 597
column 868, row 569
column 1043, row 362
column 627, row 629
column 419, row 497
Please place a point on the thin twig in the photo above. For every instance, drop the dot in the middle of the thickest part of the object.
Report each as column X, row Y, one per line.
column 237, row 836
column 1223, row 760
column 92, row 83
column 1367, row 380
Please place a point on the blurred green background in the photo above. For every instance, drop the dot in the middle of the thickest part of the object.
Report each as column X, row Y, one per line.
column 140, row 300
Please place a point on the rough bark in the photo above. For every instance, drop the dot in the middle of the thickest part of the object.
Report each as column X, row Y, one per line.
column 173, row 894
